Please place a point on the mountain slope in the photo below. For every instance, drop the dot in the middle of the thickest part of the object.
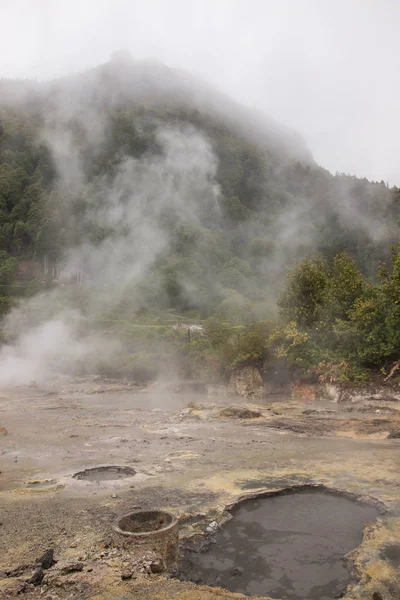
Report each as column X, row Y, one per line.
column 156, row 187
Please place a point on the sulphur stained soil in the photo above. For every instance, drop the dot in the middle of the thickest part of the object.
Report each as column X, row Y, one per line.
column 193, row 455
column 288, row 546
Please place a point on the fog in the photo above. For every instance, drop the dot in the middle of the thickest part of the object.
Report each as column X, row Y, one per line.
column 49, row 329
column 311, row 87
column 325, row 68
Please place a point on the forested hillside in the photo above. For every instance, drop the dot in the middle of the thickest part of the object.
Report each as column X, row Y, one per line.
column 152, row 193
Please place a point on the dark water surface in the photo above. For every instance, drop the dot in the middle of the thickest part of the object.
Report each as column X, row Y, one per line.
column 287, row 546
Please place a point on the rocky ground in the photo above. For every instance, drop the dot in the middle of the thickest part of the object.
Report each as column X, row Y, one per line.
column 193, row 455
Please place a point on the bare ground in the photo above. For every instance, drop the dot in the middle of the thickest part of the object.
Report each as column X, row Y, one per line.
column 194, row 455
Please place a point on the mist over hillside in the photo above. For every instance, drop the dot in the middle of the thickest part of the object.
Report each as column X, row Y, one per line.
column 125, row 82
column 133, row 190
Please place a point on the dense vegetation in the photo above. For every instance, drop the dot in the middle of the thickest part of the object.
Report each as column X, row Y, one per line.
column 336, row 323
column 338, row 312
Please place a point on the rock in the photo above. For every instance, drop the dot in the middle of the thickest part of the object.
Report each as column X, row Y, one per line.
column 15, row 588
column 17, row 571
column 304, row 392
column 247, row 382
column 3, row 431
column 240, row 412
column 47, row 560
column 157, row 566
column 126, row 574
column 237, row 571
column 37, row 577
column 385, row 399
column 72, row 567
column 212, row 527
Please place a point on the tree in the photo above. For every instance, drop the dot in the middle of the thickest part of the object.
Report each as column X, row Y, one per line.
column 235, row 308
column 304, row 292
column 391, row 291
column 345, row 285
column 8, row 268
column 293, row 345
column 370, row 327
column 237, row 275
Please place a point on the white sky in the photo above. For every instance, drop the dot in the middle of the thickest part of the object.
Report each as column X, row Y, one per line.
column 327, row 68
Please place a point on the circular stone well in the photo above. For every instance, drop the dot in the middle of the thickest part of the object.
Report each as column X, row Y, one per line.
column 152, row 530
column 108, row 473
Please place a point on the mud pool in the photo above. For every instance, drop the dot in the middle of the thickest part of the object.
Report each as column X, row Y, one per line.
column 288, row 546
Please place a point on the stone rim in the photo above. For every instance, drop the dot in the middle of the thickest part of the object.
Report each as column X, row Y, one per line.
column 146, row 534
